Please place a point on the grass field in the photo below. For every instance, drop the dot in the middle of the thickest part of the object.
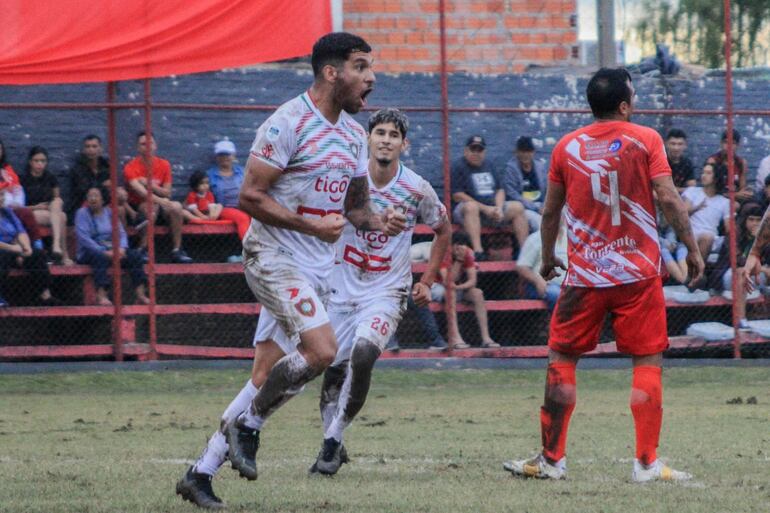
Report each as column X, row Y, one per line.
column 427, row 441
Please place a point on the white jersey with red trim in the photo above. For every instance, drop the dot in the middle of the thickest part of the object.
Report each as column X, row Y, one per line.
column 318, row 160
column 372, row 264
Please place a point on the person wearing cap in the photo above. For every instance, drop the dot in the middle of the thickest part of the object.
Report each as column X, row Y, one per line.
column 225, row 180
column 742, row 191
column 478, row 196
column 525, row 181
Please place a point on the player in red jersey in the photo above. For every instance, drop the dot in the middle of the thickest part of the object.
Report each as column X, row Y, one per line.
column 606, row 174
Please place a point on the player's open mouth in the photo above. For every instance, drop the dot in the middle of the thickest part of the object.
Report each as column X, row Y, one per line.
column 364, row 95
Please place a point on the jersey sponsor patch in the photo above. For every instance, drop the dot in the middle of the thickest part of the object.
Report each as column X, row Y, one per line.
column 272, row 133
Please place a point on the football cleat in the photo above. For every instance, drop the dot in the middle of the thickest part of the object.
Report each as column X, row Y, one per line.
column 343, row 459
column 330, row 458
column 657, row 471
column 196, row 488
column 243, row 443
column 537, row 467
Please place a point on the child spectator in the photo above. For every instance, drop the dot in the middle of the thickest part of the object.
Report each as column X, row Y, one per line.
column 17, row 251
column 93, row 225
column 41, row 189
column 200, row 202
column 463, row 270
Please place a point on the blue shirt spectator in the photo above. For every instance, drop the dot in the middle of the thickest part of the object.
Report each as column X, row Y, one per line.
column 226, row 177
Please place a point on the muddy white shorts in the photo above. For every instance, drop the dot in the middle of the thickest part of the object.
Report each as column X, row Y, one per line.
column 375, row 320
column 293, row 300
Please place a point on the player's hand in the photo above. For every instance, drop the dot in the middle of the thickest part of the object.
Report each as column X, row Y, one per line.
column 695, row 267
column 750, row 271
column 395, row 222
column 329, row 228
column 549, row 268
column 421, row 294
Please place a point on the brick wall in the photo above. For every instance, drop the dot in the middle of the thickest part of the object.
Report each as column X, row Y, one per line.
column 493, row 36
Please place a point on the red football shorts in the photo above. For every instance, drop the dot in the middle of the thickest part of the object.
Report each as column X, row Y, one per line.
column 638, row 318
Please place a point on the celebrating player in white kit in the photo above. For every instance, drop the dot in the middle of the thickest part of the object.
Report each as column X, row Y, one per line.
column 308, row 167
column 373, row 278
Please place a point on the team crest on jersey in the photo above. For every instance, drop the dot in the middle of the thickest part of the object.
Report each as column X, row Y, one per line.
column 272, row 133
column 615, row 146
column 305, row 307
column 267, row 151
column 354, row 149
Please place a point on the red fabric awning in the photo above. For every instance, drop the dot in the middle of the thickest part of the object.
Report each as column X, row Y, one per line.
column 58, row 41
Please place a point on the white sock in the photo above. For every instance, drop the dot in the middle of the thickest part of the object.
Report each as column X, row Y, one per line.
column 251, row 420
column 338, row 423
column 213, row 456
column 241, row 402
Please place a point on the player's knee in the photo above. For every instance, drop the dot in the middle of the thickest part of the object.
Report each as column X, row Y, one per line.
column 365, row 353
column 563, row 393
column 320, row 358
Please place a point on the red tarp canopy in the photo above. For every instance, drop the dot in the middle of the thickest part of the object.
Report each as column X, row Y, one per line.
column 58, row 41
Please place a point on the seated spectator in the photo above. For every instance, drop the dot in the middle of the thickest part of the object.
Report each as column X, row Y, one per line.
column 478, row 197
column 10, row 186
column 528, row 267
column 742, row 191
column 762, row 196
column 707, row 207
column 682, row 169
column 429, row 326
column 225, row 180
column 93, row 226
column 17, row 251
column 43, row 198
column 200, row 202
column 721, row 276
column 674, row 254
column 463, row 270
column 525, row 181
column 763, row 172
column 135, row 174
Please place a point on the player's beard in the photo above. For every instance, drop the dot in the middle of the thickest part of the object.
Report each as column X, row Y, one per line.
column 384, row 162
column 346, row 98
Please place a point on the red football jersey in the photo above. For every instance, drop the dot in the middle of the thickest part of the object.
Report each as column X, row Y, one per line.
column 607, row 170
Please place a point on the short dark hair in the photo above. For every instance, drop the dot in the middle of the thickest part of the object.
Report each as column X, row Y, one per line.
column 143, row 133
column 461, row 238
column 390, row 115
column 101, row 190
column 607, row 89
column 335, row 48
column 736, row 136
column 91, row 137
column 196, row 178
column 676, row 133
column 720, row 176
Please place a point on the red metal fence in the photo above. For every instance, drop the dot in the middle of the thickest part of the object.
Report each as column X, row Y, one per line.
column 169, row 325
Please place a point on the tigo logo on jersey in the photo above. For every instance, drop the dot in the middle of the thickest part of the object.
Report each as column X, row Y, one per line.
column 335, row 188
column 305, row 307
column 615, row 146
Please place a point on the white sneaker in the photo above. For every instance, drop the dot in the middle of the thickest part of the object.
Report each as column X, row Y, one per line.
column 537, row 467
column 657, row 471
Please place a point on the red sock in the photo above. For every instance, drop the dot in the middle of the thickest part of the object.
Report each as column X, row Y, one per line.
column 560, row 395
column 647, row 409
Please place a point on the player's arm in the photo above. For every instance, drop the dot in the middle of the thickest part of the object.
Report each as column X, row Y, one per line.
column 255, row 201
column 360, row 214
column 441, row 239
column 754, row 261
column 555, row 197
column 675, row 212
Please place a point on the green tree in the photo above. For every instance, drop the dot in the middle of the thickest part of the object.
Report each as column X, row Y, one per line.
column 695, row 30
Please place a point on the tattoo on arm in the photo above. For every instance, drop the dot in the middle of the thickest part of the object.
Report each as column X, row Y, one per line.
column 357, row 208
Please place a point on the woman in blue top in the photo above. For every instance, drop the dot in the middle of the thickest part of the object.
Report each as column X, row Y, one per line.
column 93, row 226
column 225, row 180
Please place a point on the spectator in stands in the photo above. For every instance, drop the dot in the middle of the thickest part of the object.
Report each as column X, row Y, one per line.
column 90, row 169
column 673, row 252
column 707, row 206
column 478, row 196
column 682, row 169
column 762, row 196
column 225, row 180
column 93, row 225
column 429, row 326
column 200, row 202
column 464, row 272
column 528, row 267
column 10, row 186
column 525, row 181
column 720, row 275
column 43, row 197
column 135, row 174
column 763, row 171
column 742, row 191
column 16, row 251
